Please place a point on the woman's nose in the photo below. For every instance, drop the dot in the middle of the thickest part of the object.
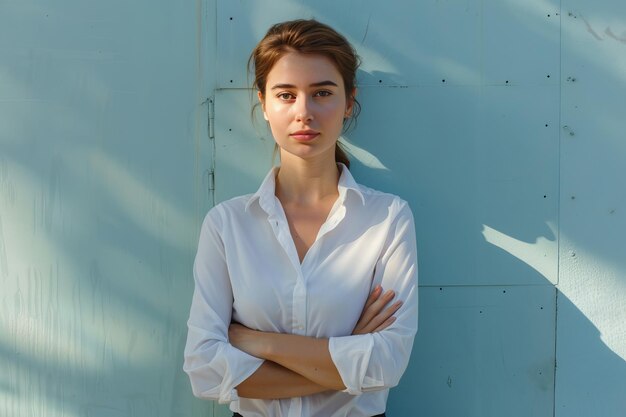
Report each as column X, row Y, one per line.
column 303, row 109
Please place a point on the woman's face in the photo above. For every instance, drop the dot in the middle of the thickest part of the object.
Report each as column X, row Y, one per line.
column 305, row 104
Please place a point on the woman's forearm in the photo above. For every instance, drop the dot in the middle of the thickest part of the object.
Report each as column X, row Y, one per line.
column 307, row 356
column 304, row 355
column 273, row 381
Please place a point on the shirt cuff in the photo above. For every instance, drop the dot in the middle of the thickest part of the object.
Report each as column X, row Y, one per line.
column 215, row 372
column 244, row 361
column 351, row 356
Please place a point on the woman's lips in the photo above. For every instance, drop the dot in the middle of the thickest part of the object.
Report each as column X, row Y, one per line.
column 304, row 136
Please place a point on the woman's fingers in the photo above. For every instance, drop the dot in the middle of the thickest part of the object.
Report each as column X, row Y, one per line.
column 381, row 319
column 372, row 297
column 366, row 314
column 375, row 316
column 377, row 306
column 385, row 324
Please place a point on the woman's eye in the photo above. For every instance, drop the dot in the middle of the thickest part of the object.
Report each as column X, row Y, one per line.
column 323, row 93
column 285, row 96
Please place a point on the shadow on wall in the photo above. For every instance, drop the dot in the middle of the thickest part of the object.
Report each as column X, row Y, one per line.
column 94, row 310
column 98, row 204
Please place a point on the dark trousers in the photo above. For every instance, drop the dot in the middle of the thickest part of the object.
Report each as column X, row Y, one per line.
column 239, row 415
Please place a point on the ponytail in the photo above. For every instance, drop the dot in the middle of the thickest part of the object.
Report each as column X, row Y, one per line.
column 341, row 155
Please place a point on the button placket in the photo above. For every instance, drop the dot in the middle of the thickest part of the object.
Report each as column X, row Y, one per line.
column 299, row 306
column 282, row 234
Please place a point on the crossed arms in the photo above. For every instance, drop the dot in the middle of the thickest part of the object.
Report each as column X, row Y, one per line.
column 300, row 365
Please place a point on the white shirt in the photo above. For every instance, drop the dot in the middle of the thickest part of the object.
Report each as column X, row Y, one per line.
column 247, row 269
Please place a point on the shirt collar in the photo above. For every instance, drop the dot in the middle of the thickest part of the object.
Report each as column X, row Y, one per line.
column 347, row 182
column 266, row 192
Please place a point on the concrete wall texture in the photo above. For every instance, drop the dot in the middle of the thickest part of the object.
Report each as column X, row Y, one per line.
column 501, row 122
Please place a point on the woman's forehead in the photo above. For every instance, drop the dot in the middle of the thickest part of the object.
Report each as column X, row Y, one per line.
column 303, row 70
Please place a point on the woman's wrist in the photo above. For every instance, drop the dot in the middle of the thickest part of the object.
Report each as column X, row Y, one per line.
column 266, row 344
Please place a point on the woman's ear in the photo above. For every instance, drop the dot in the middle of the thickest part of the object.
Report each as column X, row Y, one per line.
column 350, row 103
column 262, row 101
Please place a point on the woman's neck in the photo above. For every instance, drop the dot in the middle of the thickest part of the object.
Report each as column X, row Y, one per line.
column 305, row 182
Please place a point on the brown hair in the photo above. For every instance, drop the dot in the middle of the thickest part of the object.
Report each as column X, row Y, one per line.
column 308, row 37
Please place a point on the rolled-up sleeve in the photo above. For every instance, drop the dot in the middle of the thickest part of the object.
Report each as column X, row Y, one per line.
column 376, row 361
column 214, row 366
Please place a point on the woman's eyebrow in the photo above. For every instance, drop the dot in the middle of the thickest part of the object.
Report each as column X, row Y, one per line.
column 318, row 84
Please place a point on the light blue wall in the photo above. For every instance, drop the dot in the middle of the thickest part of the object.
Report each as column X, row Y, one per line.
column 103, row 149
column 513, row 167
column 591, row 330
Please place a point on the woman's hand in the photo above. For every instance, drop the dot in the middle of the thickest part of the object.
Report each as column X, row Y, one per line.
column 246, row 339
column 375, row 317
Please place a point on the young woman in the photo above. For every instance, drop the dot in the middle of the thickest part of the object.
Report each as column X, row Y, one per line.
column 305, row 300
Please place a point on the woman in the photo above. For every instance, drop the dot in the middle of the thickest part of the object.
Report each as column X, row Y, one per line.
column 289, row 316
